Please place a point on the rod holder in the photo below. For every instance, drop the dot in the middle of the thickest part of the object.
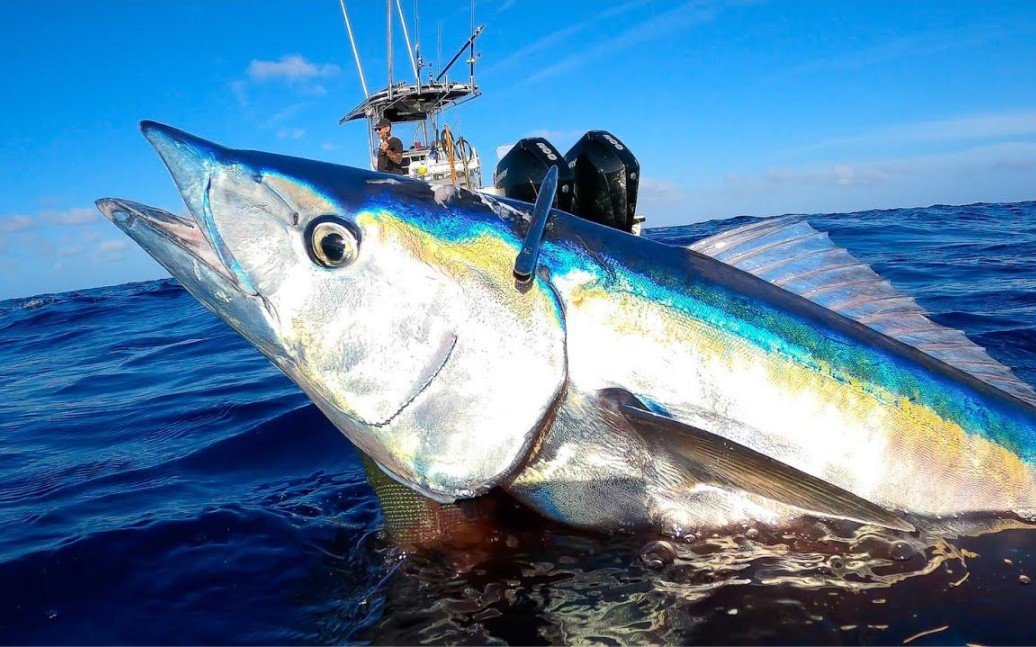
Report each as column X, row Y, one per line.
column 525, row 263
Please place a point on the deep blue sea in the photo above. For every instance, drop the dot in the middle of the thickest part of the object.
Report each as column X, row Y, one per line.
column 161, row 482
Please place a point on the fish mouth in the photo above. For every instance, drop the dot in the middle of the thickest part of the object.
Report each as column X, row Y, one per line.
column 169, row 239
column 180, row 246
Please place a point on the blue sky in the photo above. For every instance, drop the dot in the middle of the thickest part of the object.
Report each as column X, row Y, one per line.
column 738, row 107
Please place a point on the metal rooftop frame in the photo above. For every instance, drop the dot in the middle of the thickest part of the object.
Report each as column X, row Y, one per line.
column 405, row 102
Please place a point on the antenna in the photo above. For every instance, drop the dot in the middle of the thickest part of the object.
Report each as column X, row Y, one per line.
column 470, row 41
column 388, row 5
column 356, row 54
column 406, row 37
column 438, row 54
column 417, row 44
column 471, row 52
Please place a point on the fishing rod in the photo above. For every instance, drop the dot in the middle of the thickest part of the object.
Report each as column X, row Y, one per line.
column 470, row 42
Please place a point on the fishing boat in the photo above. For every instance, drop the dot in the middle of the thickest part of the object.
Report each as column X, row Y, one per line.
column 597, row 179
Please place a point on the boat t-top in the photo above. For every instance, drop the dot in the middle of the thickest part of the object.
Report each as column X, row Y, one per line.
column 597, row 179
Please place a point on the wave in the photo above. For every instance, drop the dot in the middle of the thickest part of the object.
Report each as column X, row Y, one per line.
column 162, row 482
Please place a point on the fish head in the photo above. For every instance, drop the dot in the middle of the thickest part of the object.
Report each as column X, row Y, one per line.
column 393, row 309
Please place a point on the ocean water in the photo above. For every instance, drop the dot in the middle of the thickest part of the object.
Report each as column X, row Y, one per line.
column 161, row 482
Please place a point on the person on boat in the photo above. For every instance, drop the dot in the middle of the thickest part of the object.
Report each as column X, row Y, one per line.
column 390, row 150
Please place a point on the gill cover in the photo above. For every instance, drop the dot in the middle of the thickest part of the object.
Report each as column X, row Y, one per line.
column 395, row 312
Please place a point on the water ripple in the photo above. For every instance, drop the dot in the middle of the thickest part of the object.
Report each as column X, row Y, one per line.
column 161, row 482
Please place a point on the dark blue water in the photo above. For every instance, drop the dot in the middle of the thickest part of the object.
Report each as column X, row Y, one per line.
column 161, row 482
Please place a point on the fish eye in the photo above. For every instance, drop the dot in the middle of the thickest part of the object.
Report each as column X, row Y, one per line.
column 332, row 242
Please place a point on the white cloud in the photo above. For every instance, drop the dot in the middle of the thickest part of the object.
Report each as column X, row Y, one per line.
column 561, row 139
column 655, row 28
column 240, row 90
column 84, row 242
column 561, row 36
column 273, row 93
column 915, row 46
column 291, row 67
column 76, row 217
column 110, row 250
column 553, row 38
column 622, row 8
column 79, row 216
column 844, row 174
column 284, row 114
column 36, row 245
column 291, row 133
column 962, row 128
column 999, row 172
column 328, row 146
column 112, row 244
column 10, row 224
column 663, row 202
column 1010, row 155
column 653, row 190
column 74, row 250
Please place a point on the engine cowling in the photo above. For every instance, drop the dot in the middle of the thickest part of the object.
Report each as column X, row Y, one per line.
column 598, row 179
column 521, row 171
column 607, row 180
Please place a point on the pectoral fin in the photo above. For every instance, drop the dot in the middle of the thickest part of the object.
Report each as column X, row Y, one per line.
column 730, row 464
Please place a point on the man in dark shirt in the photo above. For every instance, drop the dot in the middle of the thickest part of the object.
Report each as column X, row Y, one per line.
column 390, row 150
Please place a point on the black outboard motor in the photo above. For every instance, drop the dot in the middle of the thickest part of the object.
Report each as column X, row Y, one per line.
column 521, row 171
column 607, row 177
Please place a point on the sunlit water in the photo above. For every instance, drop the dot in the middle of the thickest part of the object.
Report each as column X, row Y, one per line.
column 161, row 482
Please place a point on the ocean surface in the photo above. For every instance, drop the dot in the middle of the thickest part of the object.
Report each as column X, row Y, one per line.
column 162, row 483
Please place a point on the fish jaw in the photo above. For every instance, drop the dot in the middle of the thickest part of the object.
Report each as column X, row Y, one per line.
column 417, row 345
column 177, row 243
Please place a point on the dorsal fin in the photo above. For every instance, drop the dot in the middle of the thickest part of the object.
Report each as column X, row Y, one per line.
column 789, row 253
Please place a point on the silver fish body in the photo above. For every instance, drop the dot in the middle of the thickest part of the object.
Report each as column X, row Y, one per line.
column 718, row 349
column 627, row 384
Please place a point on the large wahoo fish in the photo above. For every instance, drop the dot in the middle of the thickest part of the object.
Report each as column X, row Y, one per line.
column 761, row 376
